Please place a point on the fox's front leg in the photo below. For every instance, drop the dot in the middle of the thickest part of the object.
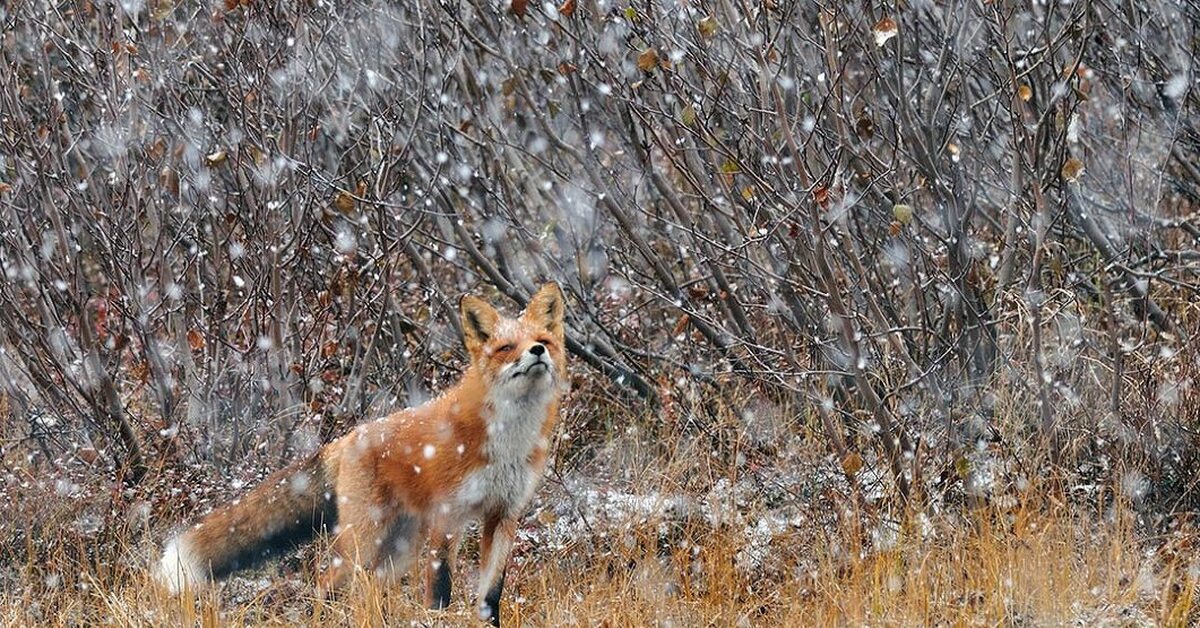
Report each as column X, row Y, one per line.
column 495, row 543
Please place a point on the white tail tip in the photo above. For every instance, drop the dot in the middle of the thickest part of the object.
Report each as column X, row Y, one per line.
column 179, row 569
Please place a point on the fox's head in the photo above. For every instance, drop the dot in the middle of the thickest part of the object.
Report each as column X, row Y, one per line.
column 521, row 355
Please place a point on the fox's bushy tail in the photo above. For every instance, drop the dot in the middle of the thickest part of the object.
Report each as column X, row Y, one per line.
column 288, row 508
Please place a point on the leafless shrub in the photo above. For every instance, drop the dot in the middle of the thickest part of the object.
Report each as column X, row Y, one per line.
column 229, row 231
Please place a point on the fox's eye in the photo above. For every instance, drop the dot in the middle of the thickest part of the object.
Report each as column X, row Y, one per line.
column 545, row 341
column 506, row 348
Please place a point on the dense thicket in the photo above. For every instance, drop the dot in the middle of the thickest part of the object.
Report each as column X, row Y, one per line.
column 239, row 228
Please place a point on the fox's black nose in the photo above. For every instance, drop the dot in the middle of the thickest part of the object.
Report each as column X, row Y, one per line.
column 537, row 349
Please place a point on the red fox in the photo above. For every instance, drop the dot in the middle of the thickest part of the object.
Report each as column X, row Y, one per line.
column 476, row 453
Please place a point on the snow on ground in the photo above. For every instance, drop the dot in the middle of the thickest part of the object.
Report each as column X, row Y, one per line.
column 589, row 513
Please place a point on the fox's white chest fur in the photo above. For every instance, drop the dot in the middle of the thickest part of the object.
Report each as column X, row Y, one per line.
column 508, row 479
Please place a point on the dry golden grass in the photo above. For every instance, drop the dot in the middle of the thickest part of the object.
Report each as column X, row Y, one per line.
column 1027, row 567
column 1021, row 559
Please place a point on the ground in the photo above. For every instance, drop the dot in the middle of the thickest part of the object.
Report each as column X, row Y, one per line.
column 638, row 532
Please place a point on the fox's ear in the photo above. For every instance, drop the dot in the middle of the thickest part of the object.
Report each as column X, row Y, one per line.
column 479, row 320
column 546, row 309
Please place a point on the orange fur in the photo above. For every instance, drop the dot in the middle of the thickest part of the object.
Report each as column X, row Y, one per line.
column 420, row 474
